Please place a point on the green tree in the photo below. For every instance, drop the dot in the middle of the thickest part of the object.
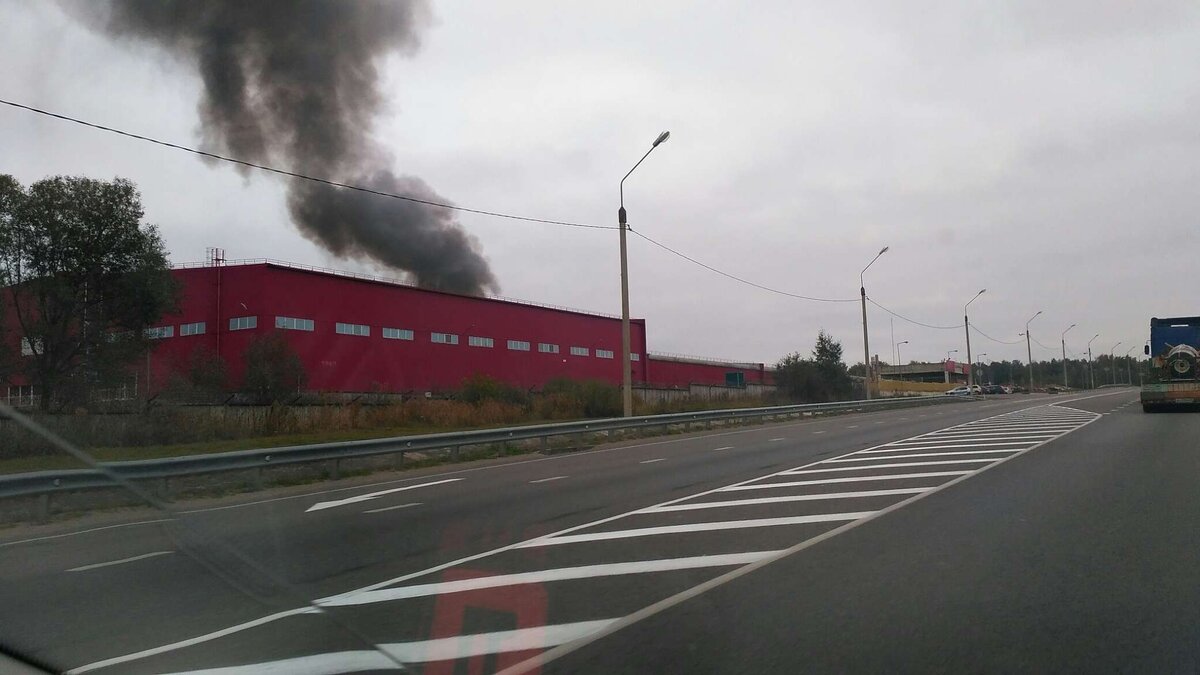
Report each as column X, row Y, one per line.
column 821, row 378
column 87, row 277
column 274, row 370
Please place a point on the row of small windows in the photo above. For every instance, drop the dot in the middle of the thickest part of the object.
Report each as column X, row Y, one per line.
column 363, row 330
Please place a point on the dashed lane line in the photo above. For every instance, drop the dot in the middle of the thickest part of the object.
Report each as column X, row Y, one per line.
column 651, row 461
column 122, row 561
column 393, row 508
column 547, row 480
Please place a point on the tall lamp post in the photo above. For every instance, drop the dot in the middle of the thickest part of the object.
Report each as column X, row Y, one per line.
column 967, row 327
column 626, row 365
column 1112, row 361
column 981, row 366
column 1064, row 348
column 898, row 354
column 946, row 364
column 862, row 292
column 1091, row 366
column 1029, row 349
column 1129, row 366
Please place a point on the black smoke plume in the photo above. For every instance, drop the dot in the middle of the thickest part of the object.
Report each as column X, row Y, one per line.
column 295, row 82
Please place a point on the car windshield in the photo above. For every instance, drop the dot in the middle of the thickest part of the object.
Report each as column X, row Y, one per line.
column 593, row 337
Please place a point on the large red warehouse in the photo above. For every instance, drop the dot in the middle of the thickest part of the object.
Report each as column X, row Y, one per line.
column 356, row 333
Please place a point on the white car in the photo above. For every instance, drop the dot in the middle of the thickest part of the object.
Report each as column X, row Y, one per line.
column 959, row 391
column 976, row 390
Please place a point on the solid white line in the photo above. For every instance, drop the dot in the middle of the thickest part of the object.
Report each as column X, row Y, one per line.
column 801, row 472
column 695, row 506
column 691, row 527
column 547, row 480
column 393, row 508
column 321, row 506
column 925, row 454
column 389, row 656
column 122, row 561
column 852, row 479
column 94, row 529
column 537, row 662
column 651, row 461
column 543, row 576
column 727, row 447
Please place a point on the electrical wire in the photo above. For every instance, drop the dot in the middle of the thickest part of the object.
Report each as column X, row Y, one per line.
column 737, row 278
column 1040, row 344
column 1003, row 342
column 912, row 321
column 293, row 174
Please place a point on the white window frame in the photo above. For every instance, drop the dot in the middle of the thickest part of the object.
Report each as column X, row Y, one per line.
column 195, row 328
column 518, row 345
column 358, row 329
column 479, row 341
column 604, row 353
column 295, row 323
column 243, row 323
column 547, row 348
column 443, row 338
column 160, row 332
column 397, row 334
column 634, row 356
column 580, row 351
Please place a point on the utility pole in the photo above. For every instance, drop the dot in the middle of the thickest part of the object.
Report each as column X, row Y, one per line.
column 1091, row 364
column 1064, row 350
column 862, row 292
column 967, row 328
column 1029, row 349
column 1112, row 360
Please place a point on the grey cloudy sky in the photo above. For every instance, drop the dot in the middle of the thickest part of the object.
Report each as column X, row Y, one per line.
column 1048, row 151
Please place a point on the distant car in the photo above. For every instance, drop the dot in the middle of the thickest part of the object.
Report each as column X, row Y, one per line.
column 991, row 389
column 976, row 390
column 959, row 391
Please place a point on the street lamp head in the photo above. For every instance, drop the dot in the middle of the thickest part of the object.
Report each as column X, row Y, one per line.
column 902, row 343
column 884, row 250
column 661, row 138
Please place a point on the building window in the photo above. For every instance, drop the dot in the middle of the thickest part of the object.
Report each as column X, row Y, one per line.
column 160, row 332
column 352, row 329
column 634, row 356
column 290, row 323
column 518, row 345
column 29, row 347
column 191, row 329
column 476, row 341
column 444, row 338
column 579, row 351
column 397, row 334
column 243, row 322
column 604, row 353
column 547, row 348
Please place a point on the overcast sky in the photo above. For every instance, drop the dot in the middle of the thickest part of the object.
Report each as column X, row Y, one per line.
column 1048, row 151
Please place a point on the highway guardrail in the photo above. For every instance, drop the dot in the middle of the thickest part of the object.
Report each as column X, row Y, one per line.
column 113, row 474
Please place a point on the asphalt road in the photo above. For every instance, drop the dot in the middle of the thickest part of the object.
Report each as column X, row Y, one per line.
column 767, row 549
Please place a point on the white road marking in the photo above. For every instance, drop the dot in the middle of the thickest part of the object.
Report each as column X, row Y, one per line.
column 947, row 446
column 94, row 529
column 852, row 479
column 547, row 480
column 726, row 447
column 321, row 506
column 692, row 527
column 122, row 561
column 388, row 656
column 881, row 422
column 819, row 432
column 926, row 454
column 800, row 472
column 393, row 508
column 651, row 461
column 852, row 426
column 543, row 576
column 694, row 506
column 773, row 440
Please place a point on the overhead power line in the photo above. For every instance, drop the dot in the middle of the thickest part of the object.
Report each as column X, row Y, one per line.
column 912, row 321
column 293, row 174
column 989, row 337
column 737, row 278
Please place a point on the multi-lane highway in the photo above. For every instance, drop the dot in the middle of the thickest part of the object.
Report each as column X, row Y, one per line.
column 1025, row 532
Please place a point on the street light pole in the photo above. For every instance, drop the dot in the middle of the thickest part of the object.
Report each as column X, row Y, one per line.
column 1029, row 349
column 626, row 362
column 967, row 328
column 981, row 366
column 898, row 351
column 1129, row 366
column 862, row 292
column 1112, row 361
column 1091, row 366
column 946, row 364
column 1064, row 348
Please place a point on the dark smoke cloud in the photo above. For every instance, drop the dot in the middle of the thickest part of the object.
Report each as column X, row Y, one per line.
column 296, row 82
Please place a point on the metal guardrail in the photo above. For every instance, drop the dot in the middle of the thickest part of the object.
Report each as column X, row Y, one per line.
column 46, row 482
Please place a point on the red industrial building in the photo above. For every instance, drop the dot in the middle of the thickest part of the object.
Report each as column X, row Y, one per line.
column 356, row 333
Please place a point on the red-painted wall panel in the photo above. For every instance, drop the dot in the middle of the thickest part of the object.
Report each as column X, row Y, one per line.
column 668, row 372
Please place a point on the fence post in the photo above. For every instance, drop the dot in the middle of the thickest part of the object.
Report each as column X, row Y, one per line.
column 43, row 509
column 258, row 477
column 545, row 444
column 337, row 469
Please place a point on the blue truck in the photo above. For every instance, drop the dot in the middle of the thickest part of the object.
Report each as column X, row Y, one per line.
column 1174, row 351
